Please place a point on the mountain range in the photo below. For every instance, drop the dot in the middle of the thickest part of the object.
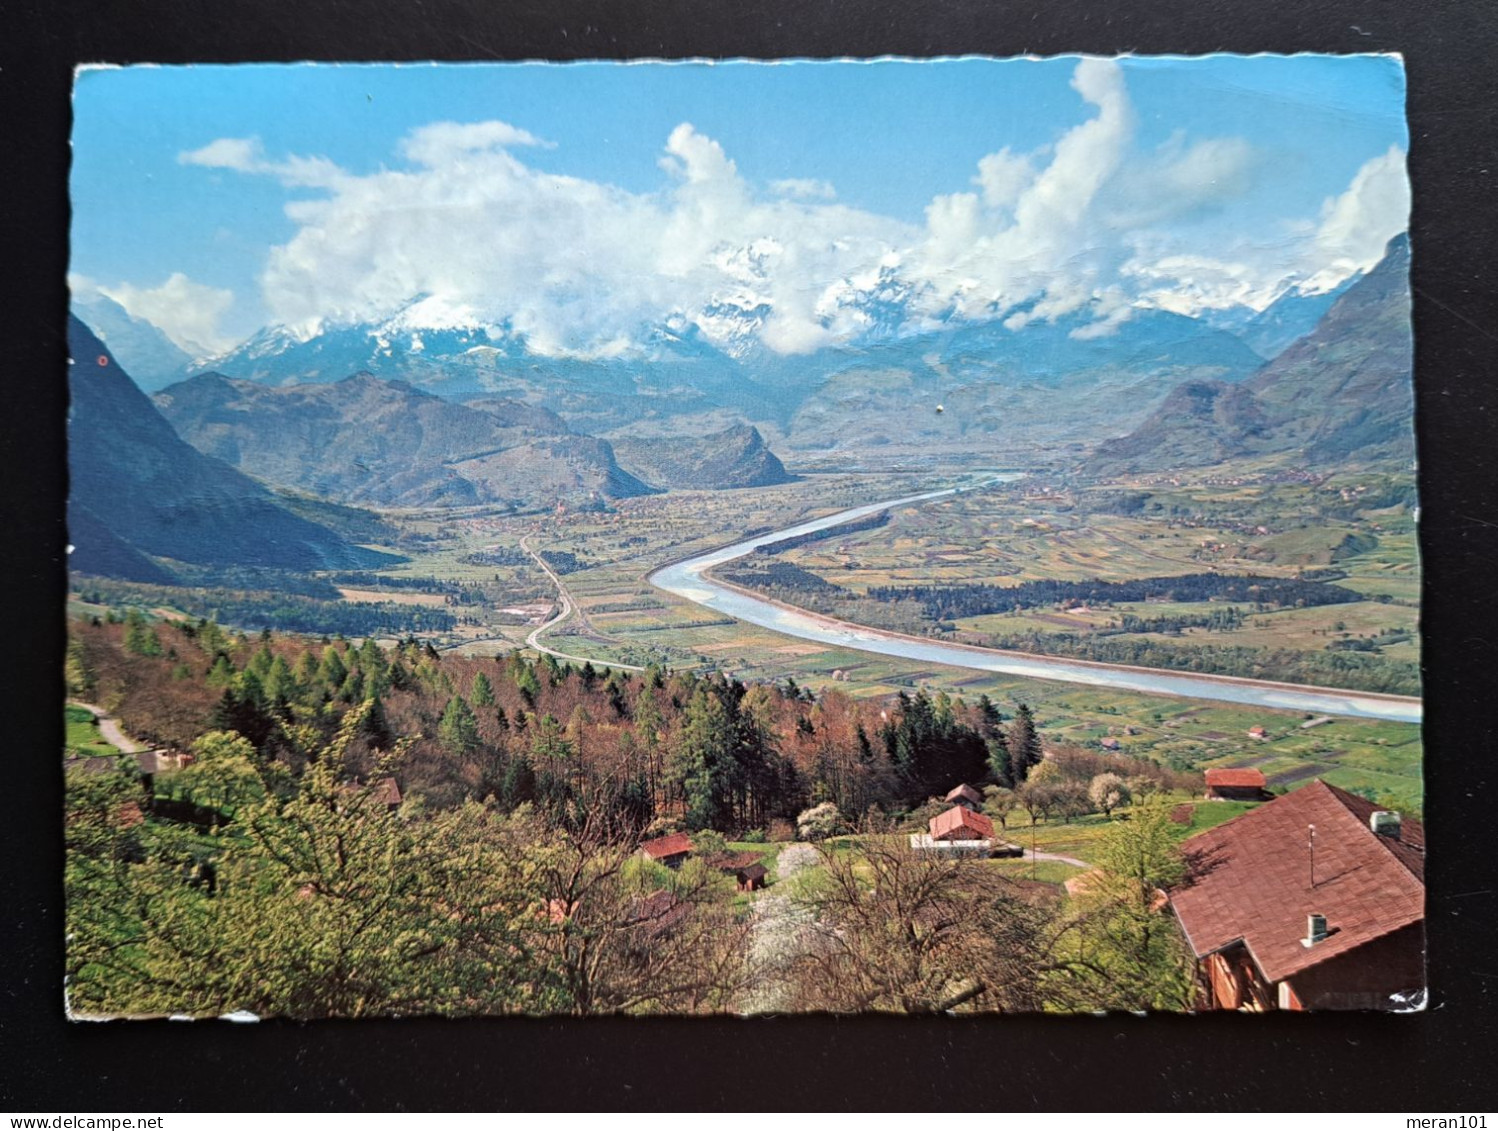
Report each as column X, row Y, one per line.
column 151, row 358
column 676, row 380
column 735, row 457
column 1341, row 392
column 139, row 492
column 402, row 414
column 363, row 440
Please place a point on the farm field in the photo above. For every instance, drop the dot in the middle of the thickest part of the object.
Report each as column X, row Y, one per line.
column 82, row 735
column 620, row 618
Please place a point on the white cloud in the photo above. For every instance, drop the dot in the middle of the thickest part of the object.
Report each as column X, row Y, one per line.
column 247, row 155
column 1003, row 176
column 1040, row 238
column 440, row 142
column 804, row 188
column 1311, row 256
column 187, row 312
column 244, row 154
column 1357, row 225
column 82, row 288
column 1089, row 225
column 696, row 158
column 1182, row 179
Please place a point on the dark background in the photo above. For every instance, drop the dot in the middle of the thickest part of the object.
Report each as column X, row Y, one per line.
column 1439, row 1060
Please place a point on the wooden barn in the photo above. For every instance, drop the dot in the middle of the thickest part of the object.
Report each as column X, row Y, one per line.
column 1237, row 785
column 751, row 877
column 1315, row 900
column 745, row 868
column 668, row 850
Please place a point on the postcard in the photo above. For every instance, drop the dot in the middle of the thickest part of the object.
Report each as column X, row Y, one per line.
column 721, row 537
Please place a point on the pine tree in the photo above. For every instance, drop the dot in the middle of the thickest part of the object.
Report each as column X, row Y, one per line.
column 332, row 671
column 352, row 689
column 305, row 670
column 262, row 661
column 139, row 637
column 222, row 673
column 519, row 783
column 483, row 691
column 1024, row 743
column 371, row 657
column 526, row 682
column 458, row 730
column 279, row 681
column 1000, row 763
column 703, row 762
column 80, row 679
column 399, row 676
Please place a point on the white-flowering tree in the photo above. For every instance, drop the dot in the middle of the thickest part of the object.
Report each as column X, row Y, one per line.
column 819, row 822
column 1107, row 792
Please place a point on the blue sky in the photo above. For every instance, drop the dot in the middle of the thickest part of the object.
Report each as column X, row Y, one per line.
column 576, row 201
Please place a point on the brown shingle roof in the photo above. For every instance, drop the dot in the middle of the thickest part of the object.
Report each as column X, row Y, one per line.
column 657, row 912
column 734, row 861
column 957, row 818
column 385, row 791
column 1238, row 779
column 966, row 793
column 94, row 765
column 388, row 790
column 1251, row 880
column 663, row 846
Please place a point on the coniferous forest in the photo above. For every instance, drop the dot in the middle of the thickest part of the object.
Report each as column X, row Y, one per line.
column 359, row 830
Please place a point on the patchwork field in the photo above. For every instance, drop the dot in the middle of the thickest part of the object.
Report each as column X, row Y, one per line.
column 1002, row 535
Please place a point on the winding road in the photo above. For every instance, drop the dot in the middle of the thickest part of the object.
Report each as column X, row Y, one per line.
column 109, row 727
column 568, row 608
column 692, row 580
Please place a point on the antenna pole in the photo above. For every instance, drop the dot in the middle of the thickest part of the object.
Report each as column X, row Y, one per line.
column 1311, row 844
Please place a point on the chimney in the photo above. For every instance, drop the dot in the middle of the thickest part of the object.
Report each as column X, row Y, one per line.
column 1315, row 930
column 1384, row 823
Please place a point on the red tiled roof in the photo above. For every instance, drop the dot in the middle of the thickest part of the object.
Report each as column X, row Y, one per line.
column 967, row 793
column 956, row 818
column 664, row 846
column 1238, row 779
column 1251, row 880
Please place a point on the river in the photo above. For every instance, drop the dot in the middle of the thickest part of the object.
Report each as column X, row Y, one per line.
column 687, row 579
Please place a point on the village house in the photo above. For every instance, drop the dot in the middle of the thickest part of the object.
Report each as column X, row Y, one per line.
column 1313, row 901
column 966, row 796
column 148, row 762
column 384, row 792
column 1258, row 732
column 656, row 914
column 388, row 791
column 957, row 832
column 1237, row 785
column 668, row 850
column 958, row 823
